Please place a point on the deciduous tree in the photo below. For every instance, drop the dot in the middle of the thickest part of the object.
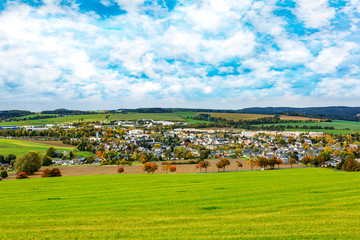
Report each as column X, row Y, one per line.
column 292, row 161
column 306, row 160
column 120, row 170
column 223, row 163
column 262, row 162
column 204, row 164
column 29, row 163
column 172, row 169
column 238, row 165
column 150, row 167
column 252, row 163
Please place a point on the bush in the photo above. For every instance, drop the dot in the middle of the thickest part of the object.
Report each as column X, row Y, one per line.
column 54, row 172
column 22, row 175
column 3, row 174
column 47, row 161
column 120, row 170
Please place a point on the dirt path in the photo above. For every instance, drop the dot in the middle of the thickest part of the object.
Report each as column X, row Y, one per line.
column 80, row 170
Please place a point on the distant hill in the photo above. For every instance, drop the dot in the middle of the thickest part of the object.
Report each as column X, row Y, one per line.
column 13, row 113
column 334, row 112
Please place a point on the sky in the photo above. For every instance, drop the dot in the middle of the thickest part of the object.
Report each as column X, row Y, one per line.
column 222, row 54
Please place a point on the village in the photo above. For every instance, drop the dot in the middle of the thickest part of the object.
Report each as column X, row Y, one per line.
column 127, row 141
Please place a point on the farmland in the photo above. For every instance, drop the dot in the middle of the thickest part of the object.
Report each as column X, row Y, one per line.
column 282, row 204
column 175, row 116
column 57, row 120
column 19, row 147
column 349, row 126
column 246, row 116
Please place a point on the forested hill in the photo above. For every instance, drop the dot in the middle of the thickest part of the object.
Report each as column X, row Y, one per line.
column 336, row 112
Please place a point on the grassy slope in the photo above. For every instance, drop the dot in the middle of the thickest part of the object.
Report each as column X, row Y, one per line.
column 59, row 120
column 36, row 115
column 281, row 204
column 175, row 116
column 337, row 124
column 19, row 147
column 249, row 116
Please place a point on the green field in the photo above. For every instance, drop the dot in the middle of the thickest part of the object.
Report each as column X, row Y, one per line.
column 337, row 124
column 303, row 203
column 58, row 120
column 18, row 147
column 36, row 115
column 175, row 116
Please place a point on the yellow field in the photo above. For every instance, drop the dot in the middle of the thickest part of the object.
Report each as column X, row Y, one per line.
column 249, row 116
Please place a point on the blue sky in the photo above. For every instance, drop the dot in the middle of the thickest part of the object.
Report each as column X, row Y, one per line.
column 228, row 54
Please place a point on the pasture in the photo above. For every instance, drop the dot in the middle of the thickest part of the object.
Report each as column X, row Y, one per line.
column 19, row 147
column 250, row 116
column 174, row 116
column 305, row 203
column 57, row 120
column 346, row 126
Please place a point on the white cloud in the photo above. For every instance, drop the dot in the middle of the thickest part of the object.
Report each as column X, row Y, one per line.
column 315, row 14
column 129, row 5
column 330, row 58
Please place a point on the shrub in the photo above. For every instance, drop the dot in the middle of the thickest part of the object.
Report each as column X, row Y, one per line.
column 54, row 172
column 90, row 159
column 47, row 161
column 22, row 175
column 120, row 170
column 3, row 174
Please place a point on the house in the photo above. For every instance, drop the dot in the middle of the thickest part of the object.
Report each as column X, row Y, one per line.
column 66, row 162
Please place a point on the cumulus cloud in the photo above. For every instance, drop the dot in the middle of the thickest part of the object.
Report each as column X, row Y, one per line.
column 315, row 14
column 330, row 58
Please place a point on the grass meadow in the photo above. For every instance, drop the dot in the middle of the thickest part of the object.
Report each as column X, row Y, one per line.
column 339, row 125
column 174, row 116
column 57, row 120
column 19, row 147
column 250, row 116
column 305, row 203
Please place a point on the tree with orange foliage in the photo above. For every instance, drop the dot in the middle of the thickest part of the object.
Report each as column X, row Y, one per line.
column 278, row 162
column 165, row 166
column 204, row 164
column 143, row 159
column 150, row 167
column 306, row 160
column 172, row 169
column 99, row 154
column 292, row 161
column 262, row 162
column 223, row 163
column 120, row 170
column 272, row 161
column 252, row 163
column 238, row 165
